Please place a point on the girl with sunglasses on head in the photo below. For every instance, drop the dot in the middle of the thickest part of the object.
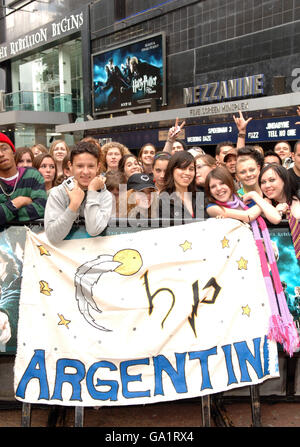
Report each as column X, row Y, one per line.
column 129, row 165
column 146, row 157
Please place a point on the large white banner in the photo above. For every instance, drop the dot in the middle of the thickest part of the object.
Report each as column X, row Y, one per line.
column 143, row 317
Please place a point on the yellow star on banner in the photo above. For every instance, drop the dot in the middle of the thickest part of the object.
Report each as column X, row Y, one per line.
column 63, row 321
column 186, row 246
column 225, row 242
column 43, row 250
column 246, row 310
column 242, row 263
column 45, row 289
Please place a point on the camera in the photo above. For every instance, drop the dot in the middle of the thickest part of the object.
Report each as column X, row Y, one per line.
column 69, row 183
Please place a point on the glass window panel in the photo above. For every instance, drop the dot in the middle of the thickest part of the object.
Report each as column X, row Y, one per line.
column 49, row 80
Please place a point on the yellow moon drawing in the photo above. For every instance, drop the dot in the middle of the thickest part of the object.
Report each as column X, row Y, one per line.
column 131, row 262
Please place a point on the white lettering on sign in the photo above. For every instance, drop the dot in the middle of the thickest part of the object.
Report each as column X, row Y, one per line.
column 29, row 41
column 220, row 108
column 57, row 29
column 253, row 135
column 194, row 139
column 67, row 24
column 273, row 133
column 3, row 52
column 218, row 130
column 217, row 91
column 278, row 125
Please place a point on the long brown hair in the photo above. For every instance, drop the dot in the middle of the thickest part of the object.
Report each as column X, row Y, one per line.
column 38, row 161
column 55, row 143
column 181, row 160
column 219, row 173
column 139, row 157
column 20, row 151
column 123, row 160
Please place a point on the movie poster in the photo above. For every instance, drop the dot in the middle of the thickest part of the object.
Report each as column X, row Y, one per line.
column 289, row 269
column 12, row 243
column 129, row 76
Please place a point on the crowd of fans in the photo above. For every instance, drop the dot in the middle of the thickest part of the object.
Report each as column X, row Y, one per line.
column 92, row 184
column 176, row 184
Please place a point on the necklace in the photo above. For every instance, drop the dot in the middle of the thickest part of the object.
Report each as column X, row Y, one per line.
column 14, row 188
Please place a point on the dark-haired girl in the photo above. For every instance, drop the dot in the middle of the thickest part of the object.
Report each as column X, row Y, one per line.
column 24, row 157
column 224, row 202
column 178, row 199
column 160, row 163
column 146, row 157
column 129, row 165
column 46, row 165
column 276, row 185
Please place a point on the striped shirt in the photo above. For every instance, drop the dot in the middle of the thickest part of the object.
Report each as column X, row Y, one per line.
column 30, row 183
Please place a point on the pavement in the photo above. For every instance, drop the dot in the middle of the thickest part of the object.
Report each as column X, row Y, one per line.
column 171, row 414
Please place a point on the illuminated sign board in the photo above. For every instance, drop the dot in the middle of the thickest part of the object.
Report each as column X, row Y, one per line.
column 222, row 90
column 257, row 131
column 130, row 75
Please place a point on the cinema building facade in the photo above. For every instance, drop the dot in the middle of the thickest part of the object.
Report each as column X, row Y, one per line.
column 123, row 70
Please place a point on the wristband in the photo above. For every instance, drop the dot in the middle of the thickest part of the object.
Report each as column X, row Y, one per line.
column 242, row 135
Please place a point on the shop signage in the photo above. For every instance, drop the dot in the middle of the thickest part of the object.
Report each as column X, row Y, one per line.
column 220, row 90
column 67, row 25
column 217, row 109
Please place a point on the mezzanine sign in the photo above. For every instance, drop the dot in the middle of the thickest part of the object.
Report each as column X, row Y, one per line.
column 220, row 90
column 55, row 30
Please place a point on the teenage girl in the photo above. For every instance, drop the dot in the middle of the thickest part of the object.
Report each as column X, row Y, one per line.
column 224, row 202
column 178, row 199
